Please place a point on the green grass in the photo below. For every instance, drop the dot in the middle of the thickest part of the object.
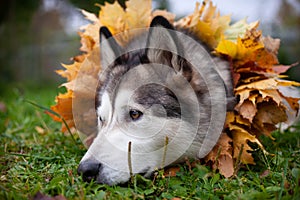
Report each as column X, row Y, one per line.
column 31, row 161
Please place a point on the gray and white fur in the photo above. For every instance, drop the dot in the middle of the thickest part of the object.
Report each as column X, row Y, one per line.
column 163, row 86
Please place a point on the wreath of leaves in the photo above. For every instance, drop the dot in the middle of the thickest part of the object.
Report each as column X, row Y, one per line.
column 264, row 98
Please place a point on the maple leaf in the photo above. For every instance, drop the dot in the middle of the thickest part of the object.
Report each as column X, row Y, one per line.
column 141, row 12
column 238, row 29
column 291, row 97
column 244, row 48
column 235, row 118
column 268, row 115
column 271, row 44
column 259, row 85
column 64, row 108
column 70, row 71
column 241, row 149
column 87, row 42
column 112, row 16
column 91, row 30
column 247, row 110
column 221, row 156
column 205, row 23
column 117, row 20
column 281, row 68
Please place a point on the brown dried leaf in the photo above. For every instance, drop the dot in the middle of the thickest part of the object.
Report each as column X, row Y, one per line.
column 171, row 171
column 247, row 110
column 271, row 44
column 268, row 115
column 225, row 165
column 221, row 156
column 41, row 196
column 278, row 69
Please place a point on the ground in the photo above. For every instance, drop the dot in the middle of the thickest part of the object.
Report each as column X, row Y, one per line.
column 36, row 157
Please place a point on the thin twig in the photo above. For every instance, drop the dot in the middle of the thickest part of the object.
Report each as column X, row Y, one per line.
column 56, row 114
column 129, row 162
column 237, row 163
column 283, row 179
column 69, row 130
column 165, row 152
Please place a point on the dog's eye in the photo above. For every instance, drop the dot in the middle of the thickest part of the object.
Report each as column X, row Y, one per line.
column 135, row 114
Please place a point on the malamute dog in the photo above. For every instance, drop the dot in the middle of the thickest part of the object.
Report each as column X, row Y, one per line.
column 160, row 99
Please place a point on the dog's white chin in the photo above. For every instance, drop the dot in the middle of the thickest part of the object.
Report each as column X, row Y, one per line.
column 111, row 176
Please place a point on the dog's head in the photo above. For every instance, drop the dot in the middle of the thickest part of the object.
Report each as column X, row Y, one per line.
column 154, row 108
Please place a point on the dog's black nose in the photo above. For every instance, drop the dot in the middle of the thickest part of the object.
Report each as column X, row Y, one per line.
column 88, row 169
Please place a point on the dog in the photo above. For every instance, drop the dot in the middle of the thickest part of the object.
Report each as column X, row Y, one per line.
column 161, row 99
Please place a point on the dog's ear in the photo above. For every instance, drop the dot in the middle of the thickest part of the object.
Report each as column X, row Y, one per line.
column 110, row 50
column 163, row 45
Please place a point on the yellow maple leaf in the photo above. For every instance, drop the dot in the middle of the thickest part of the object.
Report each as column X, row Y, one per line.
column 227, row 47
column 87, row 42
column 273, row 94
column 138, row 14
column 91, row 30
column 205, row 23
column 70, row 71
column 117, row 20
column 286, row 83
column 241, row 149
column 235, row 118
column 270, row 83
column 112, row 16
column 243, row 48
column 238, row 29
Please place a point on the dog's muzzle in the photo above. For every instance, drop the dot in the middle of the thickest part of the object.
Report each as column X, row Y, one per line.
column 89, row 170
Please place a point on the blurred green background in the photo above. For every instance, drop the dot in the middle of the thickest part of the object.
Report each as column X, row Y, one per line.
column 37, row 35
